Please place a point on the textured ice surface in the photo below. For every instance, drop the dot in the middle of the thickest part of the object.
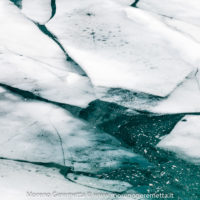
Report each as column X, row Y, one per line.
column 109, row 185
column 28, row 181
column 22, row 36
column 184, row 10
column 158, row 74
column 105, row 39
column 63, row 67
column 189, row 30
column 185, row 98
column 184, row 139
column 41, row 132
column 45, row 80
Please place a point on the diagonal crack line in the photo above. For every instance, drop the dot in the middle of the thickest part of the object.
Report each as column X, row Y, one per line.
column 46, row 65
column 104, row 190
column 188, row 76
column 44, row 164
column 135, row 3
column 74, row 110
column 196, row 78
column 17, row 133
column 44, row 29
column 64, row 171
column 177, row 29
column 60, row 141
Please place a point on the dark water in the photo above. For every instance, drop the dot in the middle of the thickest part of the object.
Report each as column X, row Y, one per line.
column 141, row 133
column 135, row 3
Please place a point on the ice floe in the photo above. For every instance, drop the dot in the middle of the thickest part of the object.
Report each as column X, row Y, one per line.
column 140, row 72
column 59, row 59
column 119, row 51
column 39, row 11
column 184, row 99
column 20, row 35
column 44, row 80
column 184, row 139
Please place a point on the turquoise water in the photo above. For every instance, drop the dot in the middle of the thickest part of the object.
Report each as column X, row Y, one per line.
column 168, row 174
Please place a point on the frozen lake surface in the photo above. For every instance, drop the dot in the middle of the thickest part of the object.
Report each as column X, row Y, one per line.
column 99, row 99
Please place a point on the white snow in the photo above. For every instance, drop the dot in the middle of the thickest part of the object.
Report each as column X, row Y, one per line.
column 184, row 139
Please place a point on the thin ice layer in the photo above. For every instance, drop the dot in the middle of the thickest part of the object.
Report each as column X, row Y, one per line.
column 28, row 181
column 41, row 132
